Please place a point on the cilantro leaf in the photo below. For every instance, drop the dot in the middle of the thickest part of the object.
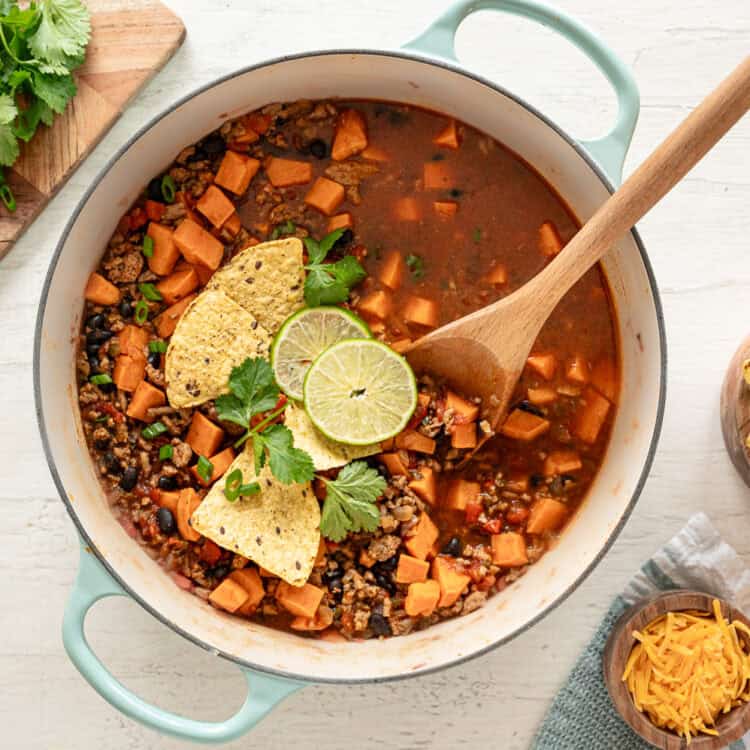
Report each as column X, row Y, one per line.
column 350, row 501
column 60, row 40
column 329, row 283
column 288, row 464
column 253, row 390
column 8, row 144
column 317, row 251
column 54, row 91
column 321, row 288
column 348, row 271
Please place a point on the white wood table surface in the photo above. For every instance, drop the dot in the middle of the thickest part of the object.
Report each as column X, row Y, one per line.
column 699, row 243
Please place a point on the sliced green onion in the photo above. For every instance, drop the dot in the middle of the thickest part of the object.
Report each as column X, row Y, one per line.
column 168, row 189
column 148, row 247
column 166, row 452
column 477, row 235
column 150, row 292
column 288, row 227
column 141, row 312
column 100, row 379
column 415, row 264
column 233, row 487
column 157, row 346
column 7, row 197
column 204, row 468
column 102, row 418
column 153, row 430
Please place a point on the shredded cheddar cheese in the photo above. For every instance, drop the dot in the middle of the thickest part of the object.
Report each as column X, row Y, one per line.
column 687, row 669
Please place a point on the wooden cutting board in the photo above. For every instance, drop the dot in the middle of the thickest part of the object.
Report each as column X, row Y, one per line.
column 130, row 41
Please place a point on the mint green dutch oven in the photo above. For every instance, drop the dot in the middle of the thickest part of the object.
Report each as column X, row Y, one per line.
column 425, row 72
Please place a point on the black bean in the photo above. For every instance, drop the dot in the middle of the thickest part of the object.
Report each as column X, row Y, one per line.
column 536, row 480
column 154, row 359
column 213, row 144
column 92, row 350
column 106, row 387
column 166, row 521
column 102, row 443
column 385, row 582
column 530, row 408
column 346, row 239
column 390, row 564
column 438, row 157
column 379, row 624
column 98, row 337
column 333, row 580
column 453, row 547
column 198, row 155
column 219, row 571
column 111, row 463
column 167, row 483
column 318, row 149
column 97, row 321
column 456, row 192
column 129, row 478
column 125, row 308
column 279, row 122
column 93, row 363
column 154, row 190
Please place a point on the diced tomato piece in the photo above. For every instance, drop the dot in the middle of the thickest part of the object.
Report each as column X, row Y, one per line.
column 138, row 218
column 155, row 210
column 473, row 511
column 210, row 552
column 494, row 526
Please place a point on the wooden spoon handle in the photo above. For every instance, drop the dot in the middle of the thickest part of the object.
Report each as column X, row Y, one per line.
column 661, row 171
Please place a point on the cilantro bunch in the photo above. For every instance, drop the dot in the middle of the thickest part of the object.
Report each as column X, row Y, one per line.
column 255, row 402
column 40, row 46
column 329, row 283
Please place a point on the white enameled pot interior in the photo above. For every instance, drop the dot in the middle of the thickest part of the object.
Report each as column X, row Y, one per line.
column 364, row 75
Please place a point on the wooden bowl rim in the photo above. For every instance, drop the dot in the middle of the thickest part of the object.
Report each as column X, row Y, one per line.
column 731, row 726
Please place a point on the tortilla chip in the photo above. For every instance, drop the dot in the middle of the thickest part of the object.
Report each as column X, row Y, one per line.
column 326, row 453
column 278, row 528
column 268, row 280
column 213, row 336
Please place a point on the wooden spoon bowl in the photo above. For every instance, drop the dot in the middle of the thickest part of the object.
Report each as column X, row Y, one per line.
column 735, row 411
column 731, row 726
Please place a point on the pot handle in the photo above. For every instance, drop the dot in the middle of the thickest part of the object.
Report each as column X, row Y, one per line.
column 94, row 583
column 438, row 40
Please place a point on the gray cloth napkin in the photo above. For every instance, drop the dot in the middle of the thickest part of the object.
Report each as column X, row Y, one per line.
column 582, row 716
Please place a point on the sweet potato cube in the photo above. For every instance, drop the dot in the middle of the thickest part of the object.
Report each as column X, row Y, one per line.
column 220, row 463
column 577, row 371
column 232, row 225
column 204, row 437
column 340, row 221
column 401, row 345
column 411, row 440
column 425, row 535
column 394, row 463
column 215, row 206
column 446, row 209
column 100, row 291
column 562, row 462
column 145, row 397
column 448, row 137
column 407, row 209
column 287, row 172
column 426, row 486
column 178, row 285
column 169, row 501
column 188, row 501
column 375, row 153
column 350, row 136
column 544, row 364
column 236, row 171
column 541, row 396
column 197, row 245
column 421, row 311
column 411, row 570
column 437, row 175
column 128, row 373
column 422, row 598
column 133, row 341
column 463, row 409
column 604, row 379
column 509, row 549
column 464, row 436
column 302, row 601
column 520, row 425
column 228, row 595
column 591, row 415
column 392, row 271
column 325, row 195
column 166, row 322
column 166, row 252
column 547, row 514
column 550, row 242
column 250, row 581
column 376, row 305
column 452, row 583
column 497, row 275
column 460, row 493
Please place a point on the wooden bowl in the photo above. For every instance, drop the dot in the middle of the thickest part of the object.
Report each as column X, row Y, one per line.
column 731, row 726
column 735, row 411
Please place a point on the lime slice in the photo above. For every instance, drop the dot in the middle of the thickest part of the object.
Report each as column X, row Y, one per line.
column 360, row 391
column 303, row 336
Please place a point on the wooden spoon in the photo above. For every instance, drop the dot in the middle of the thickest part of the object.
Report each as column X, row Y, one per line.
column 483, row 353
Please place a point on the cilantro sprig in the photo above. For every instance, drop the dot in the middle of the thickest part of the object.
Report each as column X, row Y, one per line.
column 254, row 391
column 40, row 46
column 329, row 283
